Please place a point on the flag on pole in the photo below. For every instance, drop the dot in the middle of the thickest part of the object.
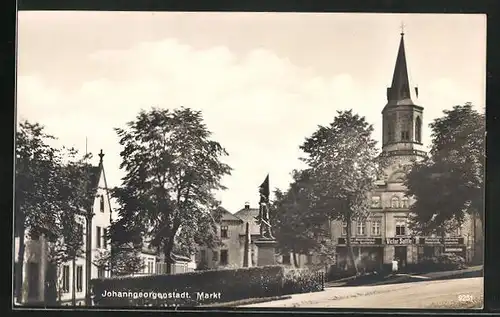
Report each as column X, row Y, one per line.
column 264, row 190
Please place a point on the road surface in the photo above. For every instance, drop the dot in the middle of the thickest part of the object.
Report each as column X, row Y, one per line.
column 424, row 294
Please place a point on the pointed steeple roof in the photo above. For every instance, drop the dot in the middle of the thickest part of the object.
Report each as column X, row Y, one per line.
column 401, row 92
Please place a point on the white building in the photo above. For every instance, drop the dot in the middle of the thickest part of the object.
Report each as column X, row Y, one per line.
column 36, row 268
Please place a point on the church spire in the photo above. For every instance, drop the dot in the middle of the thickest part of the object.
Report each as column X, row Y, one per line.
column 401, row 91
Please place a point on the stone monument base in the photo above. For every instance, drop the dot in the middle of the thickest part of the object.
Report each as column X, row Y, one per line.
column 266, row 252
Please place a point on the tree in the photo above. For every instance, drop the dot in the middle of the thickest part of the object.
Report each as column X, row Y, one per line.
column 172, row 170
column 297, row 227
column 47, row 201
column 450, row 183
column 36, row 206
column 344, row 165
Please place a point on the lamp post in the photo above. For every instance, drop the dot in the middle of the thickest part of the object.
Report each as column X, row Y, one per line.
column 88, row 256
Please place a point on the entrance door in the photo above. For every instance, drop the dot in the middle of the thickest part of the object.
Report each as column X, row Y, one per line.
column 400, row 253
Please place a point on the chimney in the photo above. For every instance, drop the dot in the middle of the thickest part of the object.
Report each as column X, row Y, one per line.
column 247, row 205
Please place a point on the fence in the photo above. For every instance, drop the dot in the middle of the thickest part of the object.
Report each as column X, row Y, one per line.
column 161, row 268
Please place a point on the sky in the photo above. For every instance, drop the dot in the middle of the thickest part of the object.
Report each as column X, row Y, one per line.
column 263, row 81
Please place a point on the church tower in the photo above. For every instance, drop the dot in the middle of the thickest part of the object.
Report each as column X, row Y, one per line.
column 402, row 116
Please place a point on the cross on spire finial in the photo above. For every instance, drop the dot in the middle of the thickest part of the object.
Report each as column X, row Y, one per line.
column 101, row 155
column 402, row 28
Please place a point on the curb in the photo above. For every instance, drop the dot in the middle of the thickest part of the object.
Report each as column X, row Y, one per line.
column 248, row 301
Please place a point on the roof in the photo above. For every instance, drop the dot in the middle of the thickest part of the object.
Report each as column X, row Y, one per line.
column 248, row 215
column 180, row 258
column 401, row 91
column 95, row 175
column 225, row 215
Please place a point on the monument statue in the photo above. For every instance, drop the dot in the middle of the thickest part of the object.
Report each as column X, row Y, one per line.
column 263, row 220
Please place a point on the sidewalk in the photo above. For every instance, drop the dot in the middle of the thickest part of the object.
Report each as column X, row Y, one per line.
column 394, row 278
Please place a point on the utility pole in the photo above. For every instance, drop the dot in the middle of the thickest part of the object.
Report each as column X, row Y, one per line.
column 88, row 247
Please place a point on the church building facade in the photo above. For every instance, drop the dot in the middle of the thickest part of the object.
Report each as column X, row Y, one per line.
column 384, row 235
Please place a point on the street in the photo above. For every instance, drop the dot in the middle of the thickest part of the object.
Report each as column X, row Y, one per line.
column 424, row 294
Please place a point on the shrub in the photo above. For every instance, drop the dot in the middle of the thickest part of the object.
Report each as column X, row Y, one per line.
column 231, row 284
column 302, row 281
column 337, row 273
column 442, row 262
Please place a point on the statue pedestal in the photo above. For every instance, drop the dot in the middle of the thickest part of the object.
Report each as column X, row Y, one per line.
column 266, row 252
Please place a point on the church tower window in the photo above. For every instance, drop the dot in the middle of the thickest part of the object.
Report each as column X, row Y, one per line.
column 390, row 131
column 418, row 130
column 405, row 135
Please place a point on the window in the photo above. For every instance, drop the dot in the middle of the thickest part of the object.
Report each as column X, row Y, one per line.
column 344, row 228
column 101, row 203
column 360, row 228
column 418, row 130
column 215, row 256
column 390, row 131
column 98, row 237
column 105, row 238
column 376, row 227
column 375, row 201
column 101, row 272
column 405, row 135
column 81, row 229
column 203, row 255
column 400, row 228
column 151, row 266
column 395, row 202
column 65, row 279
column 33, row 280
column 79, row 278
column 224, row 257
column 224, row 232
column 404, row 202
column 286, row 258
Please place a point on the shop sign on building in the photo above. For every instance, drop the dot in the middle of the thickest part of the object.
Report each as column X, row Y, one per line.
column 399, row 240
column 361, row 241
column 439, row 241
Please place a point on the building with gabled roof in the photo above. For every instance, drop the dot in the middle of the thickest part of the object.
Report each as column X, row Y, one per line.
column 72, row 277
column 231, row 229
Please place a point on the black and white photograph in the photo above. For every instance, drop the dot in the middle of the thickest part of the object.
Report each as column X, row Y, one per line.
column 250, row 160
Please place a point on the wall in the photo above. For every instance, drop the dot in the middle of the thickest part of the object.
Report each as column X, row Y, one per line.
column 234, row 243
column 101, row 219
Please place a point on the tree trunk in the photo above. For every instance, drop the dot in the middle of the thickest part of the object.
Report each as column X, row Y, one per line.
column 73, row 289
column 167, row 252
column 295, row 260
column 51, row 285
column 20, row 266
column 350, row 251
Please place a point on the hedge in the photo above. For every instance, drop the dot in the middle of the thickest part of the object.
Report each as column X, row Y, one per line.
column 227, row 285
column 302, row 281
